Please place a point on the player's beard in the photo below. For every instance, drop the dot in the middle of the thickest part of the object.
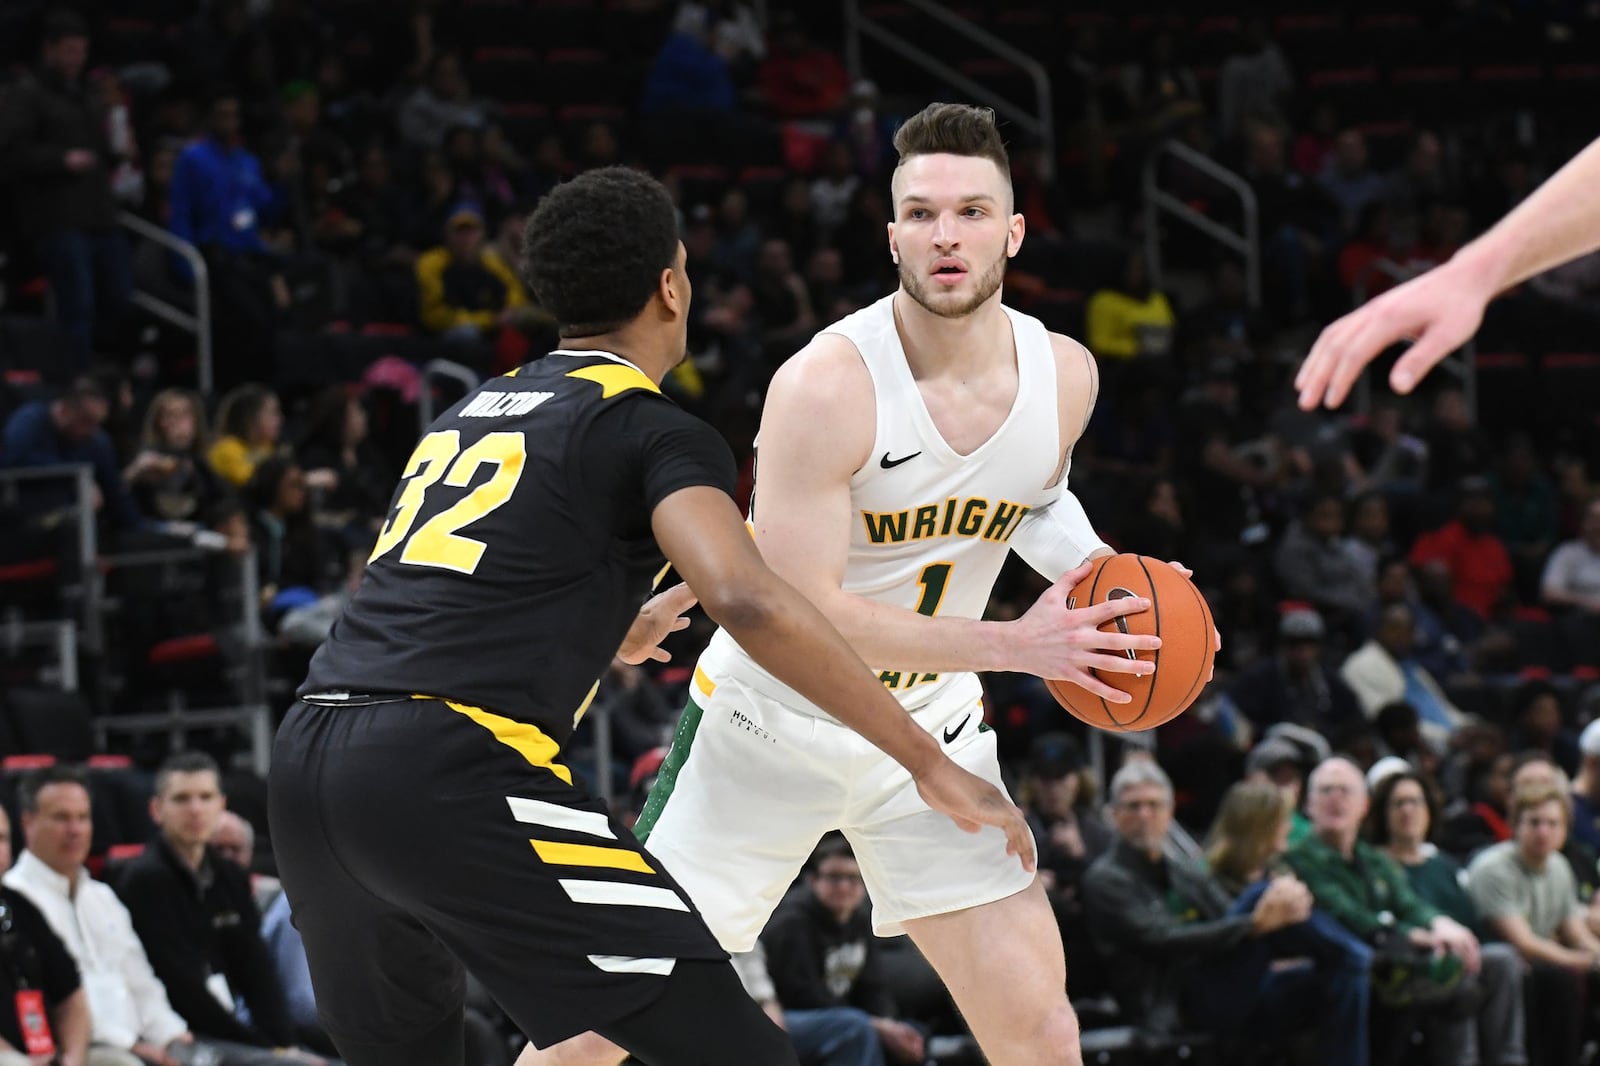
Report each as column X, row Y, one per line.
column 919, row 288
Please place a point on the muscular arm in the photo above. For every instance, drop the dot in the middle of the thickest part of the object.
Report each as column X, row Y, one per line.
column 1441, row 309
column 816, row 431
column 699, row 529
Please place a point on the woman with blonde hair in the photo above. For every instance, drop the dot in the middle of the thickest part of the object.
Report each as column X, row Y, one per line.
column 1250, row 831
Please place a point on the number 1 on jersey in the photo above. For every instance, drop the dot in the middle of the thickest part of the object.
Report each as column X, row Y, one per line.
column 933, row 579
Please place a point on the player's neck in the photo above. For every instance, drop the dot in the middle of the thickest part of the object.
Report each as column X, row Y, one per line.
column 650, row 357
column 935, row 344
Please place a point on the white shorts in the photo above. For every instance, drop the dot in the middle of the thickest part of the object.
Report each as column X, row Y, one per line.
column 751, row 785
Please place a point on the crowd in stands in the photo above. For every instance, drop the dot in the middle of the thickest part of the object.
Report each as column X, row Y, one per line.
column 1397, row 753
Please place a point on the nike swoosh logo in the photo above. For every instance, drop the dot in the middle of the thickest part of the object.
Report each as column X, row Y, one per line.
column 889, row 464
column 951, row 734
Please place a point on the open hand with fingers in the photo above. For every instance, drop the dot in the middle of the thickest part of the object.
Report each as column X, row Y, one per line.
column 661, row 615
column 1055, row 641
column 972, row 803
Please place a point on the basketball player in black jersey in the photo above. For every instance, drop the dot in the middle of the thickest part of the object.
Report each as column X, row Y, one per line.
column 423, row 820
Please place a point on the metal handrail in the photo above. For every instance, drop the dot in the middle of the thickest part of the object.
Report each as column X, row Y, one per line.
column 1247, row 244
column 198, row 322
column 1465, row 371
column 82, row 477
column 1040, row 123
column 443, row 368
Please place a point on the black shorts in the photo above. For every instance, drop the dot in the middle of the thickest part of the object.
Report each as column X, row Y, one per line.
column 417, row 837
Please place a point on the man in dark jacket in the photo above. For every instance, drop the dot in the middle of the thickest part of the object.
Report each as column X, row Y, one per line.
column 1184, row 956
column 196, row 916
column 824, row 964
column 53, row 147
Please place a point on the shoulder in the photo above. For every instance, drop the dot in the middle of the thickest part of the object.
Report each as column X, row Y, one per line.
column 825, row 369
column 1492, row 861
column 1074, row 361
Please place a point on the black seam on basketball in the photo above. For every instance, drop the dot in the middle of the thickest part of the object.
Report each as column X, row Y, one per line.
column 1104, row 706
column 1205, row 613
column 1155, row 611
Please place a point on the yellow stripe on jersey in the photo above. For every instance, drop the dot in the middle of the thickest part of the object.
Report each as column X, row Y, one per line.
column 525, row 738
column 660, row 575
column 614, row 378
column 511, row 373
column 583, row 708
column 703, row 682
column 591, row 855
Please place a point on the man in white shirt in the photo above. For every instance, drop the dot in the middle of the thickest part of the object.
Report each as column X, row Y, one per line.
column 127, row 1003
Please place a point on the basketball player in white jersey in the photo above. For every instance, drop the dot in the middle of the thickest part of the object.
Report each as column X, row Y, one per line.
column 902, row 454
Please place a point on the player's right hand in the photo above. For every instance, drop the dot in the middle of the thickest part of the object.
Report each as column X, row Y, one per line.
column 972, row 803
column 1068, row 645
column 1438, row 311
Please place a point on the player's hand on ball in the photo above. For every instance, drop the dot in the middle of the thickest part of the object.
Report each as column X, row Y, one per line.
column 972, row 803
column 1054, row 641
column 661, row 614
column 1216, row 636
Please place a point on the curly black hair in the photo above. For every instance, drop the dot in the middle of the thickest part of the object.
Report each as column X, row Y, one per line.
column 596, row 246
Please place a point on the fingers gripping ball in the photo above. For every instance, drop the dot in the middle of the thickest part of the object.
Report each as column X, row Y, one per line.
column 1178, row 614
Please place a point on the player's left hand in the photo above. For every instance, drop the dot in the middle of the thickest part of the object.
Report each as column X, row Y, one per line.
column 661, row 614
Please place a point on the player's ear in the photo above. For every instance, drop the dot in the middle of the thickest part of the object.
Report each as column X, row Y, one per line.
column 894, row 249
column 1014, row 238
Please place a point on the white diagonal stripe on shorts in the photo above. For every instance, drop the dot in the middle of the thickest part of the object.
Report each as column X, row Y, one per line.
column 631, row 964
column 538, row 812
column 622, row 894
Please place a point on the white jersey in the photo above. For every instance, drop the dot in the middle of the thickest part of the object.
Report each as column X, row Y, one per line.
column 931, row 526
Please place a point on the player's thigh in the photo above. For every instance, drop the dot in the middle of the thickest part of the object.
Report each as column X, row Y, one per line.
column 704, row 1018
column 915, row 861
column 743, row 796
column 379, row 975
column 1003, row 964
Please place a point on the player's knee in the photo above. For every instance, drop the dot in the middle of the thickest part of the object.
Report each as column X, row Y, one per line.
column 1058, row 1037
column 587, row 1049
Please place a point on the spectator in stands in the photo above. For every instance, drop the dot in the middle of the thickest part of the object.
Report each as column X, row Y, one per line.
column 1249, row 834
column 1527, row 894
column 781, row 302
column 235, row 841
column 1295, row 685
column 1403, row 811
column 467, row 292
column 1059, row 796
column 738, row 241
column 1130, row 318
column 798, row 79
column 170, row 477
column 1384, row 670
column 1539, row 726
column 1183, row 954
column 1421, row 178
column 250, row 420
column 53, row 147
column 1347, row 178
column 336, row 440
column 444, row 103
column 1458, row 448
column 1571, row 586
column 132, row 1021
column 197, row 919
column 1369, row 542
column 1279, row 761
column 1254, row 81
column 689, row 76
column 219, row 202
column 290, row 554
column 36, row 961
column 1524, row 512
column 1586, row 788
column 833, row 189
column 1364, row 890
column 1293, row 214
column 1480, row 566
column 826, row 966
column 1315, row 564
column 68, row 430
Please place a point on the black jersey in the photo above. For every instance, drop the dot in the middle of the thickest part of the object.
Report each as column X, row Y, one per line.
column 518, row 546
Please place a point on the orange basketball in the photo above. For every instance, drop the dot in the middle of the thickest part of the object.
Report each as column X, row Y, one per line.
column 1178, row 614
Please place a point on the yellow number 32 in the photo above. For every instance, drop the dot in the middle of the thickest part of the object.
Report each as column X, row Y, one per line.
column 436, row 542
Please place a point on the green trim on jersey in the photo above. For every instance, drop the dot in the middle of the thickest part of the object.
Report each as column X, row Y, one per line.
column 682, row 741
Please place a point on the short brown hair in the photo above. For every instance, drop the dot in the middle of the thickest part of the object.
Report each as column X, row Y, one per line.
column 953, row 129
column 1537, row 795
